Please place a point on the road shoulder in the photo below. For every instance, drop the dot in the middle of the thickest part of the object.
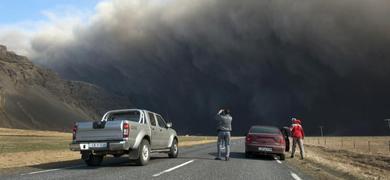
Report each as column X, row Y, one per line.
column 324, row 163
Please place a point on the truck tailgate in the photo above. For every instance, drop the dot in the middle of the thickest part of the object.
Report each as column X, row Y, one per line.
column 111, row 131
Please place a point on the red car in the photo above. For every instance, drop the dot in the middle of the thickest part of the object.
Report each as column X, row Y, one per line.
column 265, row 140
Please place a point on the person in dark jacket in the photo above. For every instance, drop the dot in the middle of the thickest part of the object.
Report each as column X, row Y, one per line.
column 286, row 134
column 298, row 135
column 224, row 127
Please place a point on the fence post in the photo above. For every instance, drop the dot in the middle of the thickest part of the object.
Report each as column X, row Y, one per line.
column 354, row 144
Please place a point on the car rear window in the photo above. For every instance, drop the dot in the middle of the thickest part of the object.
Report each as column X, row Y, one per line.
column 129, row 115
column 268, row 130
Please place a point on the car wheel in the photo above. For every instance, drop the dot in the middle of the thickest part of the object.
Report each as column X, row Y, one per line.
column 144, row 153
column 282, row 157
column 94, row 160
column 174, row 151
column 248, row 154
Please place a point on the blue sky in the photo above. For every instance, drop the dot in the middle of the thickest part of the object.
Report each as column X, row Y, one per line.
column 14, row 11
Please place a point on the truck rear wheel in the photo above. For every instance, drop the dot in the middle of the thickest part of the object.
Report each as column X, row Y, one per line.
column 94, row 160
column 174, row 151
column 144, row 153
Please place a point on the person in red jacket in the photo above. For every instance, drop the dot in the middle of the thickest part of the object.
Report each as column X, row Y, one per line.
column 298, row 135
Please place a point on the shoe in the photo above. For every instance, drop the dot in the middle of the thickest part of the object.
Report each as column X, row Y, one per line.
column 227, row 158
column 218, row 158
column 291, row 156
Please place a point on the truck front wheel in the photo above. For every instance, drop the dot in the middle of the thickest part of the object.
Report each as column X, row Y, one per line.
column 94, row 160
column 144, row 153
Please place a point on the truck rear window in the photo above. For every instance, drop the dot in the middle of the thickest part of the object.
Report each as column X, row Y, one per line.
column 130, row 116
column 264, row 129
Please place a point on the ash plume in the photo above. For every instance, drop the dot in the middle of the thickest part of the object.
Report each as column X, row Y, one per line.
column 326, row 62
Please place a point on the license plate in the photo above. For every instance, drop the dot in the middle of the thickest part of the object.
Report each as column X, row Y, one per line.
column 97, row 145
column 266, row 149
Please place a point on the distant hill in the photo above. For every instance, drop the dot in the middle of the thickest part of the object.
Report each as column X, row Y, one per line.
column 32, row 97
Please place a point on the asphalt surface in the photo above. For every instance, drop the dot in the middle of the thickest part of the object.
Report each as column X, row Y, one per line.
column 195, row 162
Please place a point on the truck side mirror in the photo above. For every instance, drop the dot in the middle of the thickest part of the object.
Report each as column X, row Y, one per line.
column 169, row 125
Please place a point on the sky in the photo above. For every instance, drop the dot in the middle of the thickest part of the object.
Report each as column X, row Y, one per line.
column 14, row 11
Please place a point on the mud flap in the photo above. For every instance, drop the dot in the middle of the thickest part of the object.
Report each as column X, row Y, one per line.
column 133, row 154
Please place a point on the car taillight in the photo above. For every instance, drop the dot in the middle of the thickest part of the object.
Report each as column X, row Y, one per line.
column 126, row 130
column 279, row 139
column 249, row 138
column 74, row 131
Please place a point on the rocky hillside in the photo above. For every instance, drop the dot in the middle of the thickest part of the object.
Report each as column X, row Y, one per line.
column 36, row 98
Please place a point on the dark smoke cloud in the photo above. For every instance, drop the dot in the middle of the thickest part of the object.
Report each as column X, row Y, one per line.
column 326, row 62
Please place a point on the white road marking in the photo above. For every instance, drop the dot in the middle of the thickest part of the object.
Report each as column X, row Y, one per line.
column 277, row 160
column 173, row 168
column 36, row 172
column 49, row 170
column 295, row 176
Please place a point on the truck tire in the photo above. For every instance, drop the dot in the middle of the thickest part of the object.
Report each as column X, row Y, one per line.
column 174, row 151
column 93, row 160
column 144, row 153
column 282, row 157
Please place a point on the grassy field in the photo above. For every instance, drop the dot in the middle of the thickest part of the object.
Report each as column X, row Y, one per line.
column 361, row 144
column 16, row 140
column 345, row 157
column 37, row 147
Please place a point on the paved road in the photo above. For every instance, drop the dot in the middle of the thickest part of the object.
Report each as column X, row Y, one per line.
column 193, row 163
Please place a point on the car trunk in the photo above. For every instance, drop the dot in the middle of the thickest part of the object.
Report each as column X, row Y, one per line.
column 265, row 139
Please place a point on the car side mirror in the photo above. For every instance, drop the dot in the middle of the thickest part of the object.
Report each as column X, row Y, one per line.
column 169, row 125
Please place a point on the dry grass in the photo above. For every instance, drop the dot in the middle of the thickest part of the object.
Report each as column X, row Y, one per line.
column 20, row 148
column 337, row 161
column 361, row 144
column 21, row 159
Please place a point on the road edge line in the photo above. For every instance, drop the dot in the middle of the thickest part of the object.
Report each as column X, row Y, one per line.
column 173, row 168
column 50, row 170
column 295, row 176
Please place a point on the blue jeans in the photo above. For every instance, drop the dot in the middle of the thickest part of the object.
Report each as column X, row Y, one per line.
column 223, row 138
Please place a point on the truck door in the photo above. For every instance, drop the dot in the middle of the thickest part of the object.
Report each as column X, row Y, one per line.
column 164, row 133
column 155, row 139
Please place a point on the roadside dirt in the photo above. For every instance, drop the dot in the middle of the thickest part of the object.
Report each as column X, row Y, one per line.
column 325, row 163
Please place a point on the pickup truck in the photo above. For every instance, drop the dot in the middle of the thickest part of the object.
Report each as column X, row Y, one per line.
column 133, row 132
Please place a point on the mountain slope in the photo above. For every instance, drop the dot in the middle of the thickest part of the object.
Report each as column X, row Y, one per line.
column 36, row 98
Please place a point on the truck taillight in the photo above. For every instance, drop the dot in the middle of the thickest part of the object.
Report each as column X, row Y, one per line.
column 126, row 130
column 74, row 131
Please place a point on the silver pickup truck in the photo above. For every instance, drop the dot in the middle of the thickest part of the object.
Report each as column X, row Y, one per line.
column 132, row 132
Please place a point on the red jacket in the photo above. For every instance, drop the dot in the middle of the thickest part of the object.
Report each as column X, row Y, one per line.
column 297, row 130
